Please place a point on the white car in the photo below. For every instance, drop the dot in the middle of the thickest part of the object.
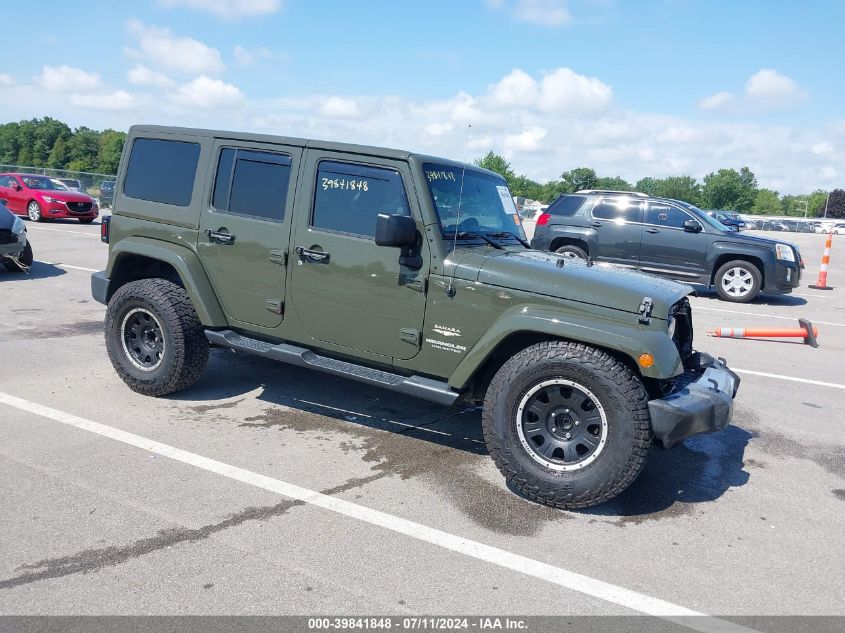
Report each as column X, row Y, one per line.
column 839, row 228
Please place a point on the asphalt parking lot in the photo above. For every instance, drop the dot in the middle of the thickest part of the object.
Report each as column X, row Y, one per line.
column 745, row 522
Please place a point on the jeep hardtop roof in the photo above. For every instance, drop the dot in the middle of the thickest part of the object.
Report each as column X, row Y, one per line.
column 332, row 146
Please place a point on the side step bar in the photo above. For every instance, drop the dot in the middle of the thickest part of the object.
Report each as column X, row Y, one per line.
column 425, row 388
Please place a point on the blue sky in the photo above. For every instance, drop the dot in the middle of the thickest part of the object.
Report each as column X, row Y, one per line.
column 628, row 87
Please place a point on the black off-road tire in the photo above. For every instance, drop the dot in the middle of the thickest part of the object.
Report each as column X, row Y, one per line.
column 570, row 250
column 755, row 276
column 185, row 345
column 620, row 393
column 26, row 258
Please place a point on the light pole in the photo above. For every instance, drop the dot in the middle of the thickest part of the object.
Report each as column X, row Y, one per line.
column 806, row 205
column 826, row 203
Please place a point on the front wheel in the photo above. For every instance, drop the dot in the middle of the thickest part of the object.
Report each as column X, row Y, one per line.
column 33, row 211
column 567, row 424
column 23, row 263
column 738, row 281
column 154, row 338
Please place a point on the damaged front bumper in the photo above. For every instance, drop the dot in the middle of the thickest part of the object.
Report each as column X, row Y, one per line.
column 698, row 401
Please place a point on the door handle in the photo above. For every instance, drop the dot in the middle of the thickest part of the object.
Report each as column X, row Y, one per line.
column 219, row 237
column 307, row 253
column 596, row 224
column 652, row 231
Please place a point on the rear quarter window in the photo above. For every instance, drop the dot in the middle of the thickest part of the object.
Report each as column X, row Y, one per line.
column 162, row 171
column 566, row 205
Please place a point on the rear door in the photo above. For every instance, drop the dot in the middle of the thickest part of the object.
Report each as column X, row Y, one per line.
column 14, row 198
column 349, row 293
column 618, row 221
column 669, row 249
column 245, row 228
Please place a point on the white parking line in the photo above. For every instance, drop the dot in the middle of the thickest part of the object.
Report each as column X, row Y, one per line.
column 474, row 549
column 90, row 270
column 42, row 228
column 790, row 378
column 765, row 316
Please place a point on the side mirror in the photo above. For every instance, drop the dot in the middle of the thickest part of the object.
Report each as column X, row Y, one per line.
column 692, row 226
column 17, row 187
column 399, row 231
column 395, row 230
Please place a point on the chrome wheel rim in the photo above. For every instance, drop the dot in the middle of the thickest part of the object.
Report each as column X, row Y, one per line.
column 143, row 339
column 737, row 282
column 562, row 425
column 33, row 211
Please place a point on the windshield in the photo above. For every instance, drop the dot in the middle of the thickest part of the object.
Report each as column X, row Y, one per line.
column 704, row 217
column 38, row 182
column 483, row 205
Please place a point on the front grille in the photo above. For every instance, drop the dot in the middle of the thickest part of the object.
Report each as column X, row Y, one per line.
column 7, row 237
column 681, row 312
column 79, row 207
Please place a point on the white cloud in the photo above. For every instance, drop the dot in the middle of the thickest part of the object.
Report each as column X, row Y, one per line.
column 228, row 8
column 117, row 100
column 140, row 75
column 207, row 93
column 543, row 12
column 822, row 148
column 249, row 56
column 770, row 88
column 338, row 107
column 6, row 80
column 529, row 140
column 181, row 54
column 716, row 101
column 66, row 79
column 438, row 129
column 561, row 91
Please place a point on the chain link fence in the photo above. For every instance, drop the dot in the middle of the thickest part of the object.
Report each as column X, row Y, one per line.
column 86, row 182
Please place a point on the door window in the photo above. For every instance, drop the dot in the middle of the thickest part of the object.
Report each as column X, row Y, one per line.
column 7, row 181
column 349, row 197
column 252, row 183
column 621, row 210
column 662, row 214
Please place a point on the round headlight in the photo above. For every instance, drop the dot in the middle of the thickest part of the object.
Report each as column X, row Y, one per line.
column 672, row 324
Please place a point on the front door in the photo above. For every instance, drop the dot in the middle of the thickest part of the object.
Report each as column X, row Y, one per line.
column 667, row 247
column 245, row 229
column 348, row 292
column 617, row 221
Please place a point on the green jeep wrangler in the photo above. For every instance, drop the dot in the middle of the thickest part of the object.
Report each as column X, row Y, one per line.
column 406, row 272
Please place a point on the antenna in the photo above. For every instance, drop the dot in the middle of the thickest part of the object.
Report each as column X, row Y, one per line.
column 450, row 289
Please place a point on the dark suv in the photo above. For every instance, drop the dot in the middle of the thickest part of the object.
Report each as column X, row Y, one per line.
column 668, row 238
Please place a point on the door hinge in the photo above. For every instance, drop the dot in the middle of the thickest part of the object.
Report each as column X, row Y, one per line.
column 416, row 283
column 644, row 312
column 410, row 335
column 279, row 257
column 276, row 306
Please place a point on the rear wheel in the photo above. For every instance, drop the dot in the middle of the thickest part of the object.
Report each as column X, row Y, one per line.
column 33, row 211
column 738, row 281
column 570, row 250
column 567, row 424
column 154, row 338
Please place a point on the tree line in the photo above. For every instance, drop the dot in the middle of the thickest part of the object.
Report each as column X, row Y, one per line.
column 50, row 143
column 725, row 189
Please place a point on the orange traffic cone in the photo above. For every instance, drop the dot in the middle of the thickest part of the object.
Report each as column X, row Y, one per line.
column 821, row 284
column 807, row 331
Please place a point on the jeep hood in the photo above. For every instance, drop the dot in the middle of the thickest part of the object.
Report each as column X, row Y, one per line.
column 614, row 287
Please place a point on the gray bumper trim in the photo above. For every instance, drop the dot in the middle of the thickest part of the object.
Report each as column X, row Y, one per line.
column 100, row 287
column 703, row 406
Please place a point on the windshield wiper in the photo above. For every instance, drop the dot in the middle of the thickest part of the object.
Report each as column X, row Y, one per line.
column 509, row 234
column 463, row 235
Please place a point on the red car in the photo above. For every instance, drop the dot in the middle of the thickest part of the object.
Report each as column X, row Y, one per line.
column 39, row 198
